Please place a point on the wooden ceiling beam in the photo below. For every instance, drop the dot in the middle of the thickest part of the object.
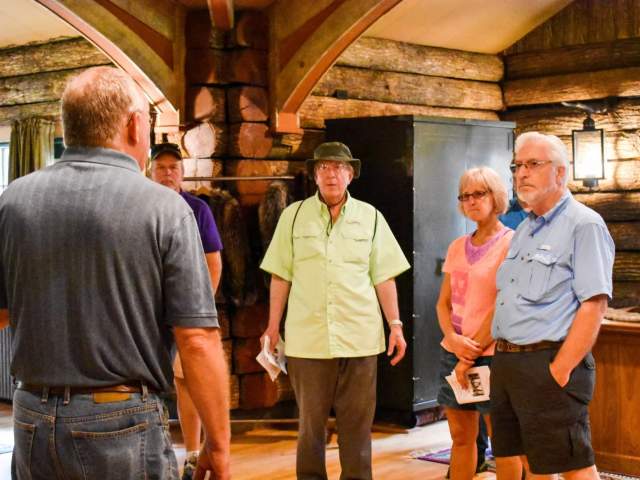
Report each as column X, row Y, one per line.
column 305, row 43
column 221, row 13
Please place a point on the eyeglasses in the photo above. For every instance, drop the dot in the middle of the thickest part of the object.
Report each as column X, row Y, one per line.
column 528, row 165
column 477, row 195
column 326, row 167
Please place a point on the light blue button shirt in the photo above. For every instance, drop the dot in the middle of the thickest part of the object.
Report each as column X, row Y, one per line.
column 555, row 262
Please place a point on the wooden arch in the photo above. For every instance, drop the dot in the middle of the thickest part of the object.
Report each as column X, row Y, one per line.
column 154, row 57
column 306, row 39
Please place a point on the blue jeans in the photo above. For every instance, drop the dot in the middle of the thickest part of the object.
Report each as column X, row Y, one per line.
column 126, row 439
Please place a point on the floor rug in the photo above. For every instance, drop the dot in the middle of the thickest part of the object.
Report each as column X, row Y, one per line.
column 444, row 457
column 616, row 476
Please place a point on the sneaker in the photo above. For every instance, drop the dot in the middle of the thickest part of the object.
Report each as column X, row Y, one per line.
column 190, row 465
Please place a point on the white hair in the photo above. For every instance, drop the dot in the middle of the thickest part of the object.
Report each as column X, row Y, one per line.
column 556, row 149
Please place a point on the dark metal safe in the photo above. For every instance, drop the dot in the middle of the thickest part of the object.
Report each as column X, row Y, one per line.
column 410, row 171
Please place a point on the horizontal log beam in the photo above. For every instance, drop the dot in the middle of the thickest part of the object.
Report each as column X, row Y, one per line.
column 206, row 104
column 252, row 192
column 234, row 391
column 221, row 134
column 617, row 145
column 626, row 235
column 39, row 87
column 626, row 267
column 409, row 88
column 573, row 59
column 558, row 120
column 255, row 140
column 250, row 321
column 199, row 33
column 250, row 140
column 223, row 320
column 248, row 104
column 15, row 112
column 625, row 294
column 315, row 110
column 623, row 175
column 613, row 207
column 258, row 391
column 206, row 66
column 50, row 57
column 252, row 30
column 245, row 351
column 619, row 82
column 391, row 56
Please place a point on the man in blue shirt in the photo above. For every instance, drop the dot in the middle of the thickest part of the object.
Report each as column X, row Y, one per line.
column 553, row 289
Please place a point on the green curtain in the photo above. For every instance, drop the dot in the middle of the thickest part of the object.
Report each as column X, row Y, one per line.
column 31, row 146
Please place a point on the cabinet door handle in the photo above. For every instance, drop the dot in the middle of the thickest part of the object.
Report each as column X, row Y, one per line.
column 439, row 264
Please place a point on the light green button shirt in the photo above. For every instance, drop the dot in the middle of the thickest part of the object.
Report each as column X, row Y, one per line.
column 333, row 310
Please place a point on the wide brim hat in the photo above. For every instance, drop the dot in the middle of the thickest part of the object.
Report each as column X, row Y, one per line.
column 332, row 151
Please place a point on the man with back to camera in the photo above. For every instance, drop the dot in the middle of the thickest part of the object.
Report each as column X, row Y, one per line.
column 90, row 260
column 553, row 289
column 333, row 262
column 167, row 169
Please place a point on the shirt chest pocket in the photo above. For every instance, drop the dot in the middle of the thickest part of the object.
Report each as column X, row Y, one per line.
column 506, row 269
column 357, row 245
column 308, row 243
column 547, row 272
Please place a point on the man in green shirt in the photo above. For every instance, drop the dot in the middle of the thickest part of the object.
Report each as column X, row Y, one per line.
column 333, row 260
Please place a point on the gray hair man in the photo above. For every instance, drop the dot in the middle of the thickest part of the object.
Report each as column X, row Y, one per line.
column 333, row 261
column 90, row 256
column 553, row 289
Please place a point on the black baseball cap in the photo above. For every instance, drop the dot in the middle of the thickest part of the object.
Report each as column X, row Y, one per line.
column 166, row 147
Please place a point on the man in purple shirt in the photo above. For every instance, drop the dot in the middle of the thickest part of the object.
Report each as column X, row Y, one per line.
column 168, row 170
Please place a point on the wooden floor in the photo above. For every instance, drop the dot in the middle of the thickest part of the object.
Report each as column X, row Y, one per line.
column 269, row 453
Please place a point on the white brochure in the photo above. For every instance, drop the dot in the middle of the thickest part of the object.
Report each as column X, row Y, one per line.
column 273, row 364
column 478, row 389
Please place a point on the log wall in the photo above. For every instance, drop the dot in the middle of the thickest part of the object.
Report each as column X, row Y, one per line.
column 32, row 77
column 589, row 52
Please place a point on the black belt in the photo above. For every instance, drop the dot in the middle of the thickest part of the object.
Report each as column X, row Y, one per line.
column 504, row 346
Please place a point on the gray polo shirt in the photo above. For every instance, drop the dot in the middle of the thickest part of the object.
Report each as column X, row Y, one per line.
column 97, row 263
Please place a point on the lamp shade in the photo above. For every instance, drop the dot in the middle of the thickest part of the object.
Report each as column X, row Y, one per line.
column 588, row 155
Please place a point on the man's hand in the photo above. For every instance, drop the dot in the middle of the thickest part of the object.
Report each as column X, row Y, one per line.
column 274, row 337
column 460, row 370
column 397, row 343
column 212, row 461
column 560, row 377
column 463, row 347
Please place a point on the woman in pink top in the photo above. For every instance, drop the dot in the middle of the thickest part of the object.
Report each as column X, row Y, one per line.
column 465, row 307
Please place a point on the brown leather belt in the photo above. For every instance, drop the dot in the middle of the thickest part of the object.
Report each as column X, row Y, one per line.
column 55, row 390
column 504, row 346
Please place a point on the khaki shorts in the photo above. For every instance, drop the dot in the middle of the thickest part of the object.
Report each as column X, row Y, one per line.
column 177, row 367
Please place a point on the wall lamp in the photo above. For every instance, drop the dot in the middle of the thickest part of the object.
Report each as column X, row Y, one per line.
column 588, row 147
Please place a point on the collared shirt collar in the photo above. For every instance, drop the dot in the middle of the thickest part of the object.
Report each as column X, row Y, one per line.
column 322, row 207
column 538, row 221
column 105, row 156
